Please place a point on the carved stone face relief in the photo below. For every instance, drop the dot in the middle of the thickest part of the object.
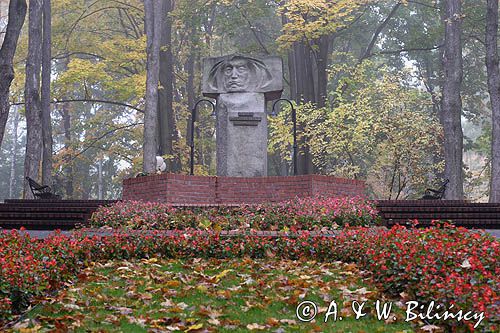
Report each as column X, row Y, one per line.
column 236, row 75
column 239, row 74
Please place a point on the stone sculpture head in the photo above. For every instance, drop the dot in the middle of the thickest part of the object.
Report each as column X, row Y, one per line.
column 239, row 74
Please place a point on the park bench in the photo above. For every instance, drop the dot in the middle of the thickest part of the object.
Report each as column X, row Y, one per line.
column 41, row 191
column 432, row 194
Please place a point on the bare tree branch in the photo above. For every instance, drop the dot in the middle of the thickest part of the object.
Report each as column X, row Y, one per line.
column 423, row 4
column 377, row 32
column 416, row 49
column 102, row 136
column 90, row 101
column 69, row 54
column 85, row 14
column 252, row 28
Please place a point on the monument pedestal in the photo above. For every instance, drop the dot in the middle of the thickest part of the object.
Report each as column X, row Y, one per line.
column 241, row 135
column 211, row 190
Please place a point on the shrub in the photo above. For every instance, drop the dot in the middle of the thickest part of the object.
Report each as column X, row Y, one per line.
column 298, row 214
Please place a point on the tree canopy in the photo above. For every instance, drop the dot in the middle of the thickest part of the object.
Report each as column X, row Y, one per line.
column 366, row 77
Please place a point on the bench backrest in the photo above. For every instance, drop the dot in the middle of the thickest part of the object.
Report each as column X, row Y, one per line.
column 33, row 184
column 443, row 187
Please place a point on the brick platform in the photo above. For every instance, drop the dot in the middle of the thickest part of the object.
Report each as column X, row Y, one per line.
column 184, row 189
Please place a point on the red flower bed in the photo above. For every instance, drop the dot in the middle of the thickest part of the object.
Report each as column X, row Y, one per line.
column 298, row 214
column 451, row 266
column 447, row 265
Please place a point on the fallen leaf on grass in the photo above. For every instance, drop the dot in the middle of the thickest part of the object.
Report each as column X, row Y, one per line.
column 72, row 307
column 194, row 327
column 215, row 322
column 138, row 321
column 431, row 329
column 255, row 326
column 173, row 284
column 30, row 330
column 167, row 303
column 288, row 321
column 123, row 268
column 222, row 274
column 122, row 310
column 182, row 305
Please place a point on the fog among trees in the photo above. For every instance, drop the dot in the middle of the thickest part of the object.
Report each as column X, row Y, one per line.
column 401, row 94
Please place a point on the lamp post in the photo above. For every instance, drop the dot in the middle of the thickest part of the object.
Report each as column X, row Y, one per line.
column 193, row 119
column 294, row 121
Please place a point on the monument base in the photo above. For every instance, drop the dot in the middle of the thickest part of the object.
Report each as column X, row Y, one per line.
column 211, row 190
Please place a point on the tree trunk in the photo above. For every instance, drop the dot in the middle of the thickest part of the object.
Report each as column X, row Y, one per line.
column 32, row 95
column 451, row 100
column 153, row 14
column 65, row 112
column 68, row 168
column 17, row 13
column 167, row 127
column 99, row 179
column 13, row 156
column 87, row 181
column 107, row 170
column 190, row 89
column 45, row 95
column 324, row 49
column 302, row 85
column 292, row 75
column 493, row 72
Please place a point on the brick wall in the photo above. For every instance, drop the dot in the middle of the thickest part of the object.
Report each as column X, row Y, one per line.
column 184, row 189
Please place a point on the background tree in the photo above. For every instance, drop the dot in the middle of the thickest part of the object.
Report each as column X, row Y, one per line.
column 309, row 31
column 45, row 94
column 166, row 119
column 491, row 42
column 17, row 13
column 32, row 96
column 153, row 22
column 353, row 49
column 451, row 109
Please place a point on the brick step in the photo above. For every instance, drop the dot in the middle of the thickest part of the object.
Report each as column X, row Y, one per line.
column 440, row 210
column 442, row 215
column 432, row 203
column 460, row 212
column 47, row 214
column 470, row 223
column 40, row 224
column 46, row 201
column 456, row 220
column 5, row 208
column 5, row 216
column 67, row 206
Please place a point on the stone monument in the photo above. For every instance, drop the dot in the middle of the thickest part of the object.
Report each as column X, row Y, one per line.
column 241, row 86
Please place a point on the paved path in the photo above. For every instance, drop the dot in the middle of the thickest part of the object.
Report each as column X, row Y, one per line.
column 44, row 233
column 494, row 232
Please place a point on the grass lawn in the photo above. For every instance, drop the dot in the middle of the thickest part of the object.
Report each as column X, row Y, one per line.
column 199, row 295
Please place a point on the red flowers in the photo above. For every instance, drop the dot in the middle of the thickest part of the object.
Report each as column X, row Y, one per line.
column 447, row 265
column 299, row 214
